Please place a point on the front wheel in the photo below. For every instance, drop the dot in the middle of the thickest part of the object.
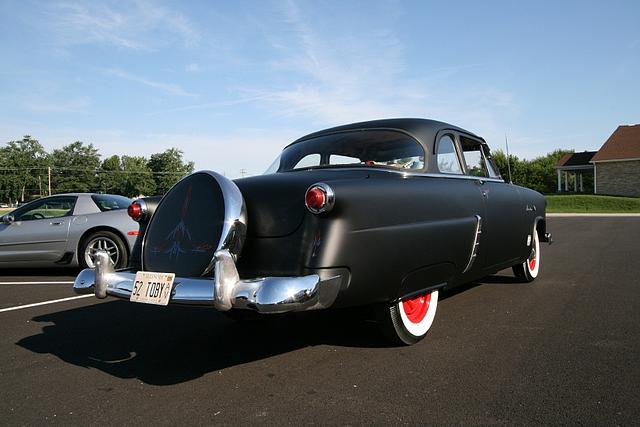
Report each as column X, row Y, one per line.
column 408, row 321
column 528, row 270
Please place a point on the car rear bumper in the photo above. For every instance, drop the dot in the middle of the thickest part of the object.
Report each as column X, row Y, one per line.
column 224, row 291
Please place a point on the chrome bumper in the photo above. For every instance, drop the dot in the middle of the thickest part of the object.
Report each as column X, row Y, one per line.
column 224, row 291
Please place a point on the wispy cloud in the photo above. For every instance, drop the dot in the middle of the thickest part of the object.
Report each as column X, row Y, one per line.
column 193, row 67
column 42, row 105
column 136, row 24
column 210, row 105
column 337, row 76
column 170, row 88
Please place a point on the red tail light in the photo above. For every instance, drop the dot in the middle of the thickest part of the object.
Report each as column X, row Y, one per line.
column 319, row 198
column 137, row 210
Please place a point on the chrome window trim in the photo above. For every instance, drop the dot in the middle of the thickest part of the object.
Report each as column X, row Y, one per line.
column 456, row 149
column 417, row 174
column 424, row 146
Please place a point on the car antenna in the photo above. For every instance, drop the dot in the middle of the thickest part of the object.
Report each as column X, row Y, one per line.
column 506, row 143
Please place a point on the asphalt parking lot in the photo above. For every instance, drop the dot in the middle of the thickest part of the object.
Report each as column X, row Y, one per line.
column 562, row 350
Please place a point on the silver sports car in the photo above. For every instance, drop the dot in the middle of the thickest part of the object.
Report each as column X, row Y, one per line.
column 66, row 230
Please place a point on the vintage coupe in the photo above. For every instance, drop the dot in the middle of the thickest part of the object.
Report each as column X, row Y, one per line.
column 384, row 213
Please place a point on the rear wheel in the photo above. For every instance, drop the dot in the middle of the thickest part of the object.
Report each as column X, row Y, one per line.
column 103, row 240
column 529, row 269
column 408, row 321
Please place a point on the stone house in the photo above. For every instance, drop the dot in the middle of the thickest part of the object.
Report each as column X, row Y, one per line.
column 617, row 163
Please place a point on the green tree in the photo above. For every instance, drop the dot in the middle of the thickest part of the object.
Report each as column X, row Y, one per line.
column 168, row 167
column 138, row 179
column 538, row 174
column 111, row 177
column 25, row 165
column 74, row 168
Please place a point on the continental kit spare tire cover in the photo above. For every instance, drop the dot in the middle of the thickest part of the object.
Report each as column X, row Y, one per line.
column 187, row 227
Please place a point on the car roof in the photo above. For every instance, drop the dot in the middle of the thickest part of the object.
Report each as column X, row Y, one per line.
column 84, row 194
column 423, row 130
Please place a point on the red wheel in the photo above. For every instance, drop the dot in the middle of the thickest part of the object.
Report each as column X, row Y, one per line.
column 529, row 269
column 409, row 320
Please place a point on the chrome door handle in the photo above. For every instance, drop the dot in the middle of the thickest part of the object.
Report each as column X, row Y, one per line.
column 57, row 223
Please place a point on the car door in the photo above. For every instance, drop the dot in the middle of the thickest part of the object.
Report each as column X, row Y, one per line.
column 461, row 199
column 503, row 227
column 38, row 232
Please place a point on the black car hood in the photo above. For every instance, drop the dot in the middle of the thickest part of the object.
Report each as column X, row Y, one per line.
column 275, row 202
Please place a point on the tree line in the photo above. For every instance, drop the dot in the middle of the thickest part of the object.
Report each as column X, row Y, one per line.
column 27, row 170
column 539, row 173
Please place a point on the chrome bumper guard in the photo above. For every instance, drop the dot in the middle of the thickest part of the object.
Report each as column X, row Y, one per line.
column 224, row 291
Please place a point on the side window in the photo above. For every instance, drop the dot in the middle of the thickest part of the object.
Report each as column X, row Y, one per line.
column 308, row 161
column 110, row 202
column 47, row 208
column 448, row 161
column 473, row 157
column 493, row 170
column 337, row 159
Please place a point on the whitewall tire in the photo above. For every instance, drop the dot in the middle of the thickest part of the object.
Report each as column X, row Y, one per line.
column 408, row 321
column 530, row 268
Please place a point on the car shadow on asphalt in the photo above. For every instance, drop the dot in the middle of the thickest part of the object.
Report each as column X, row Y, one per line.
column 174, row 344
column 34, row 273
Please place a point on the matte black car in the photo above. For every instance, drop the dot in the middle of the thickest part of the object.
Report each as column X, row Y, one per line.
column 385, row 213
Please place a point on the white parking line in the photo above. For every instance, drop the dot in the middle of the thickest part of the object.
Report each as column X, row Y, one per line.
column 20, row 307
column 36, row 283
column 594, row 215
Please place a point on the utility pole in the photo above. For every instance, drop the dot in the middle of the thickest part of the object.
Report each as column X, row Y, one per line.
column 49, row 173
column 40, row 185
column 243, row 172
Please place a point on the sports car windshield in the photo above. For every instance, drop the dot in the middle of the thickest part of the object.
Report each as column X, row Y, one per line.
column 384, row 148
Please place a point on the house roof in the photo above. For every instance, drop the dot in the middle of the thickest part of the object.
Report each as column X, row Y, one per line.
column 576, row 159
column 624, row 143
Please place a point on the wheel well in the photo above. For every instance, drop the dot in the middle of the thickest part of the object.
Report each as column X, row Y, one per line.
column 104, row 228
column 541, row 227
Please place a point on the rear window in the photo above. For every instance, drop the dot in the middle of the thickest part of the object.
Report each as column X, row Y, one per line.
column 106, row 202
column 370, row 148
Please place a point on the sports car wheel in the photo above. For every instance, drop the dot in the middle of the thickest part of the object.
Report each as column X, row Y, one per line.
column 408, row 321
column 107, row 241
column 528, row 270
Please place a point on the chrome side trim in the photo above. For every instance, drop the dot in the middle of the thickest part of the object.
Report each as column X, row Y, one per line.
column 224, row 291
column 476, row 244
column 406, row 173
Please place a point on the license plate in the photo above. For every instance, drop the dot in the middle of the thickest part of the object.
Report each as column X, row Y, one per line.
column 152, row 288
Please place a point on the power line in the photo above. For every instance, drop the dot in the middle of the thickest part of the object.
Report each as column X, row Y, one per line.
column 97, row 171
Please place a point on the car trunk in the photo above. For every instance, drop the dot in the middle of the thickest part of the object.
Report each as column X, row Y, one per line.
column 275, row 202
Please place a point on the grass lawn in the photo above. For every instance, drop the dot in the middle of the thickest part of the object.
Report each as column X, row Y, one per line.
column 589, row 203
column 5, row 210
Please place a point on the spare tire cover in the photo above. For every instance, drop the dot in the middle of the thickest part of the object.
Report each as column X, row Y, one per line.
column 186, row 228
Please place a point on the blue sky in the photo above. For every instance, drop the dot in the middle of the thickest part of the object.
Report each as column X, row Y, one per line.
column 231, row 83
